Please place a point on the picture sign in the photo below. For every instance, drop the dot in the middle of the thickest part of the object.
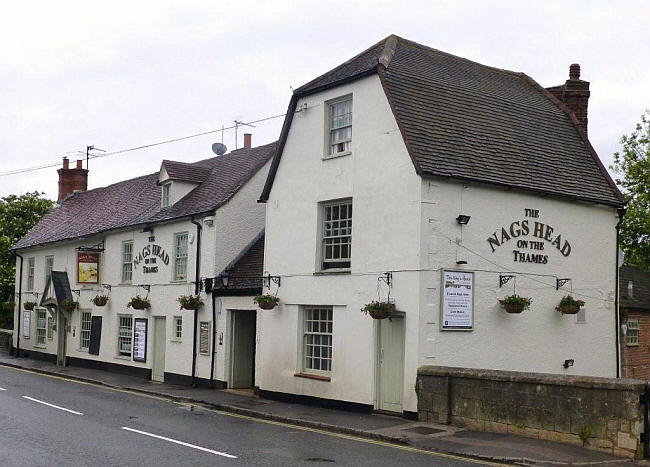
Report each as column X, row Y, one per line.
column 140, row 340
column 88, row 268
column 457, row 300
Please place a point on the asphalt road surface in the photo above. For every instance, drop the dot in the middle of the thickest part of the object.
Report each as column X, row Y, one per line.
column 47, row 421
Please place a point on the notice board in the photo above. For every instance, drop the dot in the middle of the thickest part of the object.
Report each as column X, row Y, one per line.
column 140, row 340
column 95, row 335
column 457, row 300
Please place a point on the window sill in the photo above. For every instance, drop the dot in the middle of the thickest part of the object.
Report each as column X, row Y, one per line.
column 327, row 272
column 122, row 357
column 178, row 281
column 312, row 376
column 337, row 155
column 178, row 341
column 632, row 345
column 40, row 346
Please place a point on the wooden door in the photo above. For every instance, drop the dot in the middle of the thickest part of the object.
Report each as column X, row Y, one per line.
column 242, row 355
column 390, row 359
column 159, row 345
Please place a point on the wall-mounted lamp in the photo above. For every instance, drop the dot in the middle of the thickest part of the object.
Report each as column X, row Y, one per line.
column 77, row 292
column 209, row 221
column 568, row 362
column 463, row 219
column 225, row 278
column 461, row 261
column 107, row 286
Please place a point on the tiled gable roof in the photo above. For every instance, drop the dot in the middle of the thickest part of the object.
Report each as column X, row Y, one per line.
column 463, row 120
column 245, row 271
column 640, row 299
column 189, row 172
column 137, row 201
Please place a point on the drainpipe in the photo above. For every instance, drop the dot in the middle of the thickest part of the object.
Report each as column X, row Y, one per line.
column 214, row 324
column 621, row 213
column 20, row 296
column 197, row 280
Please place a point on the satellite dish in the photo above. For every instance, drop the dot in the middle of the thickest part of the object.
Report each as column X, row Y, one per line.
column 219, row 149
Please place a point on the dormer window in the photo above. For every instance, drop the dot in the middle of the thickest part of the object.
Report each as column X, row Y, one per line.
column 340, row 126
column 166, row 194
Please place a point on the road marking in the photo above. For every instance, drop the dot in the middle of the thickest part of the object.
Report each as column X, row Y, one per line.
column 52, row 405
column 2, row 389
column 230, row 456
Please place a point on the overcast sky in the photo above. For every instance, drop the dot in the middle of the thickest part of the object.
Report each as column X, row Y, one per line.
column 123, row 74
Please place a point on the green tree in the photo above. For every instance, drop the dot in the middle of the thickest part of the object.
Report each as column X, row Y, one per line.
column 18, row 214
column 632, row 164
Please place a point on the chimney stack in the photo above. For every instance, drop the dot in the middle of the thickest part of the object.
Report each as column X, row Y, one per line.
column 71, row 180
column 247, row 140
column 574, row 93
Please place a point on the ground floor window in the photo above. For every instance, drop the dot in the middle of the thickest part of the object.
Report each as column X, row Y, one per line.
column 317, row 339
column 41, row 327
column 125, row 335
column 632, row 336
column 50, row 327
column 84, row 334
column 178, row 328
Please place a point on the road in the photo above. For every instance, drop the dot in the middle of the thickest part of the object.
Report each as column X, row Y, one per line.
column 48, row 421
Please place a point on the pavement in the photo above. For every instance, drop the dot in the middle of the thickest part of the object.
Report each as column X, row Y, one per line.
column 438, row 438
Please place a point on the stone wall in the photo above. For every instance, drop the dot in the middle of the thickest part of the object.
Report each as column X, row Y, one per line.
column 5, row 340
column 552, row 407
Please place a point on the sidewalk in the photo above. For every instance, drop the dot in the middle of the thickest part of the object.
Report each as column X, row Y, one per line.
column 441, row 438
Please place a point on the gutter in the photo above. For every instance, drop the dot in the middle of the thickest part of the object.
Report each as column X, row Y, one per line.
column 197, row 281
column 621, row 213
column 19, row 302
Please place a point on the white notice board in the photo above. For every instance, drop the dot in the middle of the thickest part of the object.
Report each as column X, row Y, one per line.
column 27, row 323
column 140, row 340
column 457, row 300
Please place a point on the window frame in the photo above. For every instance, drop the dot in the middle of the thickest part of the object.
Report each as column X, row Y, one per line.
column 50, row 328
column 48, row 267
column 31, row 269
column 41, row 331
column 633, row 329
column 120, row 353
column 330, row 128
column 177, row 319
column 175, row 276
column 166, row 195
column 321, row 252
column 84, row 334
column 304, row 353
column 125, row 263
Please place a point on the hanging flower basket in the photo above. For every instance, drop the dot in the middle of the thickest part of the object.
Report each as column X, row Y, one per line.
column 266, row 301
column 139, row 303
column 515, row 304
column 569, row 305
column 69, row 305
column 29, row 306
column 8, row 306
column 100, row 300
column 190, row 302
column 379, row 310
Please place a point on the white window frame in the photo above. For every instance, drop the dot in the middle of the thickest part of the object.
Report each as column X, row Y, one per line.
column 127, row 336
column 314, row 341
column 632, row 334
column 180, row 259
column 49, row 267
column 166, row 194
column 331, row 127
column 41, row 327
column 127, row 265
column 177, row 330
column 327, row 264
column 84, row 332
column 31, row 266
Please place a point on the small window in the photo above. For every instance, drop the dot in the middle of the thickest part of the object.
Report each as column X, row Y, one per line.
column 178, row 328
column 317, row 339
column 84, row 334
column 632, row 336
column 50, row 327
column 336, row 247
column 127, row 262
column 166, row 191
column 125, row 335
column 41, row 327
column 30, row 273
column 180, row 257
column 49, row 266
column 630, row 289
column 340, row 126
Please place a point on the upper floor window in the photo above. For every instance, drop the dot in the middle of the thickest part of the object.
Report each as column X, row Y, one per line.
column 166, row 194
column 340, row 126
column 30, row 273
column 336, row 243
column 127, row 261
column 632, row 336
column 630, row 289
column 49, row 266
column 180, row 256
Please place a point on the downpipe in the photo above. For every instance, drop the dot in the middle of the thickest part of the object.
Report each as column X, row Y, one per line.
column 214, row 324
column 621, row 213
column 197, row 289
column 19, row 302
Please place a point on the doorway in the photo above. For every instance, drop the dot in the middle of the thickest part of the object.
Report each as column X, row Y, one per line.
column 159, row 344
column 242, row 349
column 390, row 364
column 62, row 336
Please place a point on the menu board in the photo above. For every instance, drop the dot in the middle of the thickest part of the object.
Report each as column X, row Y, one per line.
column 457, row 300
column 204, row 337
column 140, row 340
column 88, row 268
column 27, row 323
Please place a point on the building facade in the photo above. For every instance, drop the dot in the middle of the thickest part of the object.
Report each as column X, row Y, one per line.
column 413, row 177
column 635, row 317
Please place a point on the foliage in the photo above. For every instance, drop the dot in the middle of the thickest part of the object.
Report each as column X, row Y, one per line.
column 585, row 434
column 139, row 303
column 379, row 308
column 266, row 299
column 517, row 300
column 568, row 300
column 8, row 306
column 6, row 319
column 100, row 300
column 18, row 214
column 69, row 305
column 29, row 305
column 190, row 302
column 632, row 163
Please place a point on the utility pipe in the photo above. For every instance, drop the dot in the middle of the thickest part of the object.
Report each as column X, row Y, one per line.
column 197, row 280
column 621, row 213
column 20, row 296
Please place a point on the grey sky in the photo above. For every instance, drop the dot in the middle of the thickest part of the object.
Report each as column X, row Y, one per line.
column 123, row 74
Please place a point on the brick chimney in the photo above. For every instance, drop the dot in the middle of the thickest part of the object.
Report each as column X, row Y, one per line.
column 247, row 140
column 574, row 93
column 71, row 180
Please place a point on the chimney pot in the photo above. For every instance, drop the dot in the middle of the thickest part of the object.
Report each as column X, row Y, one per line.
column 247, row 140
column 79, row 164
column 72, row 180
column 66, row 163
column 574, row 71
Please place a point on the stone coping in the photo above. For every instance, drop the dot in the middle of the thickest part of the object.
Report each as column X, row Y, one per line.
column 7, row 331
column 625, row 384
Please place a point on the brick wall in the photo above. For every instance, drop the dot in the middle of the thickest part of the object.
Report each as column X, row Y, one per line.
column 635, row 360
column 551, row 407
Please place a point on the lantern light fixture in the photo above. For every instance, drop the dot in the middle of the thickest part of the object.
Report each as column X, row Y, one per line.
column 463, row 219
